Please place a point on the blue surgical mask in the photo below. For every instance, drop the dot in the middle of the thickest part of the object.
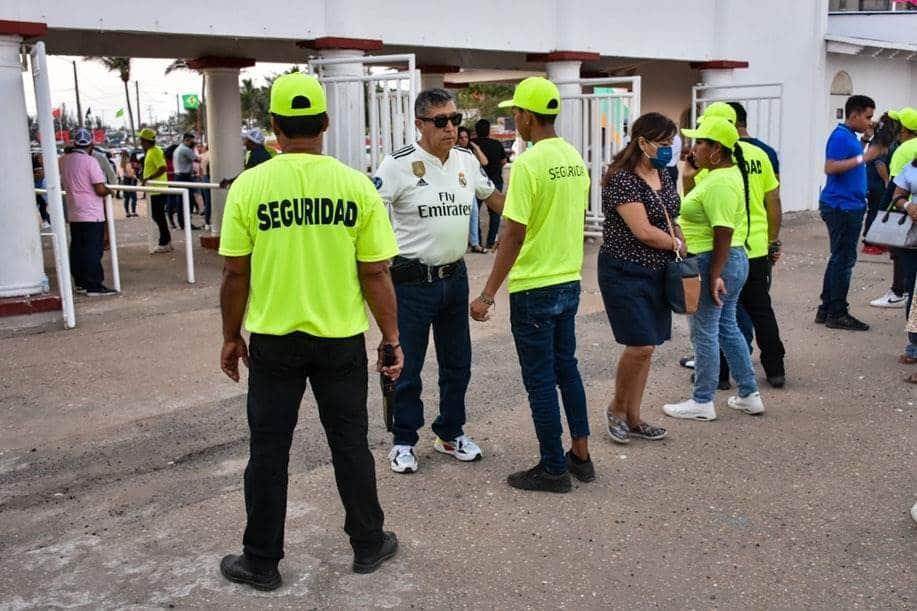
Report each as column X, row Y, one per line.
column 662, row 158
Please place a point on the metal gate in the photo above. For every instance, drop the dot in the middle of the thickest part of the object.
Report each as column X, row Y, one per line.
column 597, row 123
column 762, row 101
column 372, row 113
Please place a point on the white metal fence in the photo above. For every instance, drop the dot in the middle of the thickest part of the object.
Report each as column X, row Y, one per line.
column 372, row 113
column 597, row 123
column 762, row 101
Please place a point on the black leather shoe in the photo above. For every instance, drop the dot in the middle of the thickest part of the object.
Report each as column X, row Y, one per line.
column 846, row 322
column 821, row 316
column 584, row 471
column 238, row 569
column 537, row 478
column 364, row 564
column 776, row 381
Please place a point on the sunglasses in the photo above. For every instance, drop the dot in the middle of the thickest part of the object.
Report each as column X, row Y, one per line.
column 440, row 121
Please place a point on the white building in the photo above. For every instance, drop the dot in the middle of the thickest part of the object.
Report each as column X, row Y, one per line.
column 797, row 47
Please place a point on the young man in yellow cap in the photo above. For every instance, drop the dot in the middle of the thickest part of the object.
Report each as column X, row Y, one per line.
column 541, row 250
column 305, row 240
column 154, row 168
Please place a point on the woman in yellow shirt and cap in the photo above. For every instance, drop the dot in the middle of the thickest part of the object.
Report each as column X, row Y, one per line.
column 714, row 220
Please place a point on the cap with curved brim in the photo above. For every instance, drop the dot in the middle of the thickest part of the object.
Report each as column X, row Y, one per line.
column 717, row 129
column 719, row 109
column 297, row 95
column 906, row 117
column 82, row 137
column 147, row 134
column 535, row 94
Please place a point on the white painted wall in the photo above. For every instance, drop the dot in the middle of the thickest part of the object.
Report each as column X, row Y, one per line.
column 894, row 27
column 667, row 87
column 889, row 82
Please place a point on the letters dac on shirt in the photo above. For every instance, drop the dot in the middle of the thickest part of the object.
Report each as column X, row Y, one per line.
column 549, row 194
column 306, row 220
column 431, row 201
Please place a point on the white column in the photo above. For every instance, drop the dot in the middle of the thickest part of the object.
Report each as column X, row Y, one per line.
column 345, row 139
column 224, row 124
column 21, row 265
column 432, row 80
column 569, row 122
column 565, row 71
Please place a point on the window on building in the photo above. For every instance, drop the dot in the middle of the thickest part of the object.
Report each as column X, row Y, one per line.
column 853, row 6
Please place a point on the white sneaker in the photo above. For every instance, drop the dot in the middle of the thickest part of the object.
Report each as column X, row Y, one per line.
column 889, row 300
column 402, row 459
column 462, row 448
column 752, row 404
column 162, row 249
column 690, row 409
column 45, row 225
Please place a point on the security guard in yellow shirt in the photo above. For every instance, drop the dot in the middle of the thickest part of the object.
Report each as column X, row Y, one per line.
column 305, row 240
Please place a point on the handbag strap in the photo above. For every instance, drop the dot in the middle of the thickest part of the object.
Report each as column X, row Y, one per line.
column 668, row 224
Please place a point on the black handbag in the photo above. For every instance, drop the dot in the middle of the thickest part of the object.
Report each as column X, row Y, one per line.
column 682, row 278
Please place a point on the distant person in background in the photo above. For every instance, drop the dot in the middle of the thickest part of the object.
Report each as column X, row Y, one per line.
column 496, row 159
column 474, row 228
column 38, row 176
column 905, row 200
column 672, row 167
column 173, row 201
column 204, row 158
column 84, row 183
column 183, row 159
column 876, row 182
column 154, row 168
column 129, row 178
column 255, row 152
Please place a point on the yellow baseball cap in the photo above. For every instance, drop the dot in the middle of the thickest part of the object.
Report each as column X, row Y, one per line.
column 717, row 129
column 297, row 95
column 147, row 133
column 906, row 117
column 721, row 110
column 536, row 94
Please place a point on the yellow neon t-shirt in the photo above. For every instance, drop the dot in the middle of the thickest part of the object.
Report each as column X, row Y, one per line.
column 548, row 193
column 761, row 180
column 717, row 201
column 904, row 154
column 153, row 159
column 306, row 220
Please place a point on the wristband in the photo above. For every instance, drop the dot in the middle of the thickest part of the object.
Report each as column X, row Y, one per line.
column 859, row 159
column 485, row 299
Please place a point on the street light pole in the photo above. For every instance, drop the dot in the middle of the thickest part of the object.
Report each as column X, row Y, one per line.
column 79, row 107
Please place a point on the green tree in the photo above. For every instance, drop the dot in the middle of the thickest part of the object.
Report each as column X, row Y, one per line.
column 482, row 98
column 121, row 65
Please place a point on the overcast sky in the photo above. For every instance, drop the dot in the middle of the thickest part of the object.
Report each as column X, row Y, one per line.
column 103, row 93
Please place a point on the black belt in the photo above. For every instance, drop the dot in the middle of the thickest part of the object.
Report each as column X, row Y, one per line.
column 411, row 270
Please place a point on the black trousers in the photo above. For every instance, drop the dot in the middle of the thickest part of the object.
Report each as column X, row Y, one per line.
column 756, row 300
column 158, row 212
column 87, row 241
column 280, row 366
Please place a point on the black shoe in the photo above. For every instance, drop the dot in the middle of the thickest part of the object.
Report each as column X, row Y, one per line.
column 687, row 362
column 537, row 478
column 102, row 291
column 196, row 227
column 821, row 316
column 846, row 322
column 583, row 470
column 776, row 381
column 724, row 384
column 369, row 563
column 238, row 568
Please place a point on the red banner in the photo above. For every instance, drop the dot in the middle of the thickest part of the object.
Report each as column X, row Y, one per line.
column 98, row 136
column 62, row 135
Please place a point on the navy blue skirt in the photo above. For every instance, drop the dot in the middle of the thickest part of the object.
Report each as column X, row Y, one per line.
column 635, row 302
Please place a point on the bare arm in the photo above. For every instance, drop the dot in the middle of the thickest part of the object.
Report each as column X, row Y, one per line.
column 233, row 298
column 882, row 171
column 839, row 166
column 100, row 189
column 495, row 201
column 634, row 215
column 774, row 214
column 482, row 158
column 160, row 171
column 512, row 235
column 379, row 292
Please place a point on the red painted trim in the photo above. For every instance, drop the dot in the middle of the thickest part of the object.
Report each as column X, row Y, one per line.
column 26, row 29
column 336, row 42
column 18, row 306
column 563, row 56
column 210, row 242
column 210, row 61
column 438, row 68
column 719, row 64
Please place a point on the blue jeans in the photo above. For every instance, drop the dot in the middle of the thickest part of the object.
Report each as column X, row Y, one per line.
column 543, row 324
column 844, row 234
column 442, row 304
column 474, row 224
column 908, row 261
column 714, row 327
column 494, row 227
column 206, row 194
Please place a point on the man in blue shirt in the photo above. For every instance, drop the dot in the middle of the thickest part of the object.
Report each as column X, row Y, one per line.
column 842, row 205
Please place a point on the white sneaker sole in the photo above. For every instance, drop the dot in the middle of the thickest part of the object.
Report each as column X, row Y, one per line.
column 397, row 469
column 889, row 306
column 683, row 416
column 456, row 455
column 748, row 410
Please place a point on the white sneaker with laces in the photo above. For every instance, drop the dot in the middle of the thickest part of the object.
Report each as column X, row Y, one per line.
column 462, row 448
column 889, row 300
column 403, row 460
column 752, row 404
column 690, row 409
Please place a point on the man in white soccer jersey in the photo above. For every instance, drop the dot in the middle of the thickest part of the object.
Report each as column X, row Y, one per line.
column 430, row 187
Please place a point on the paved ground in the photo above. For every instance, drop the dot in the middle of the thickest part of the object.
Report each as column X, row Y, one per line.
column 122, row 448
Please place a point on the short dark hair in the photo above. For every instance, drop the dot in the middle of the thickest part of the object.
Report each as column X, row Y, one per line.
column 300, row 127
column 431, row 97
column 464, row 129
column 544, row 119
column 187, row 135
column 482, row 128
column 858, row 103
column 741, row 115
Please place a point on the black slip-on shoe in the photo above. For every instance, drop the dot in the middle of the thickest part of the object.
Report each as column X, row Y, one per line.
column 583, row 470
column 846, row 322
column 364, row 564
column 537, row 478
column 776, row 381
column 237, row 568
column 821, row 316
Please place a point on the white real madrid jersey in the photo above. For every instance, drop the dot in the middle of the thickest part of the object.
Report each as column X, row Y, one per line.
column 430, row 201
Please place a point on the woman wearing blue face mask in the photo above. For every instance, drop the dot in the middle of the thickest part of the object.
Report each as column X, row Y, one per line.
column 639, row 201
